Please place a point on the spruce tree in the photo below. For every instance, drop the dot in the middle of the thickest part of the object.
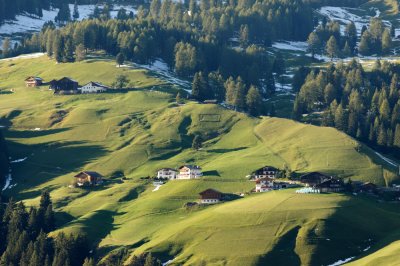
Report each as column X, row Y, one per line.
column 120, row 59
column 80, row 52
column 332, row 47
column 253, row 101
column 197, row 143
column 396, row 140
column 314, row 43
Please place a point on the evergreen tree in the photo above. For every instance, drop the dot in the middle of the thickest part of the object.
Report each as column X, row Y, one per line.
column 80, row 52
column 386, row 41
column 332, row 47
column 396, row 141
column 197, row 143
column 120, row 81
column 253, row 101
column 120, row 59
column 314, row 43
column 75, row 14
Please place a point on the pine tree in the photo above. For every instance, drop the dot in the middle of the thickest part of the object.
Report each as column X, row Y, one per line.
column 88, row 262
column 332, row 47
column 386, row 41
column 239, row 98
column 253, row 101
column 6, row 48
column 314, row 43
column 347, row 50
column 396, row 141
column 197, row 143
column 68, row 55
column 340, row 118
column 382, row 136
column 351, row 35
column 178, row 98
column 365, row 43
column 120, row 59
column 244, row 35
column 75, row 14
column 80, row 52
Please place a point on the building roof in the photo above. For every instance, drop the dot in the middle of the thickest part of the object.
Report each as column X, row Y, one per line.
column 96, row 84
column 332, row 182
column 166, row 169
column 36, row 78
column 211, row 194
column 314, row 177
column 89, row 173
column 191, row 167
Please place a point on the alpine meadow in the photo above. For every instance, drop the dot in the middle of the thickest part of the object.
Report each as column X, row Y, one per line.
column 166, row 132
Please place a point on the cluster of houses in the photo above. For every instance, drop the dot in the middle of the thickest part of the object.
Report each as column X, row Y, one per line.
column 183, row 172
column 66, row 85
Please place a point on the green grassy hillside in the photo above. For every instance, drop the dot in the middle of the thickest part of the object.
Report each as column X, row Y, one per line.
column 136, row 132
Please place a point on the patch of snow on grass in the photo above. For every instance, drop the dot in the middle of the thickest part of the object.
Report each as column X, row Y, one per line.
column 19, row 160
column 24, row 56
column 26, row 23
column 167, row 263
column 367, row 248
column 344, row 16
column 8, row 182
column 341, row 262
column 157, row 188
column 162, row 69
column 291, row 46
column 386, row 159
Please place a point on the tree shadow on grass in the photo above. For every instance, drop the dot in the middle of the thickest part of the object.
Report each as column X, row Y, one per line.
column 33, row 133
column 283, row 252
column 226, row 150
column 211, row 173
column 97, row 225
column 47, row 161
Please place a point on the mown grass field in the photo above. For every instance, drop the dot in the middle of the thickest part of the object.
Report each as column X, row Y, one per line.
column 134, row 133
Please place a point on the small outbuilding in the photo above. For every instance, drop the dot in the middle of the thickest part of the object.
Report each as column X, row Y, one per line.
column 33, row 81
column 210, row 196
column 88, row 178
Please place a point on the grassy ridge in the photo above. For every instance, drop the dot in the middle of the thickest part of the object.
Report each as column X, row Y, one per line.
column 136, row 132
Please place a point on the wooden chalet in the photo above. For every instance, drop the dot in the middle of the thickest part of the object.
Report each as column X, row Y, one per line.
column 189, row 172
column 265, row 172
column 210, row 196
column 88, row 178
column 331, row 185
column 33, row 81
column 64, row 86
column 314, row 178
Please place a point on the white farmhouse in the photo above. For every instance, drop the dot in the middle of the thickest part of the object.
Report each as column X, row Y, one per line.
column 189, row 172
column 167, row 173
column 93, row 87
column 264, row 184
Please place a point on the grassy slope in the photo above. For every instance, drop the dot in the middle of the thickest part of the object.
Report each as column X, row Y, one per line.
column 135, row 133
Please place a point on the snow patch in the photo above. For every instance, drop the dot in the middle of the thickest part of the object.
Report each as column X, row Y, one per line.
column 367, row 248
column 341, row 262
column 157, row 188
column 162, row 69
column 291, row 46
column 19, row 160
column 25, row 23
column 8, row 182
column 24, row 56
column 386, row 159
column 167, row 262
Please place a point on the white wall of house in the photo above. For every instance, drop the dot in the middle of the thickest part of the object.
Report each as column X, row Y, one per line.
column 92, row 89
column 187, row 173
column 166, row 173
column 209, row 201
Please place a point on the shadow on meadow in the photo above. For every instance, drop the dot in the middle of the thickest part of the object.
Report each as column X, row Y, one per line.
column 47, row 161
column 358, row 227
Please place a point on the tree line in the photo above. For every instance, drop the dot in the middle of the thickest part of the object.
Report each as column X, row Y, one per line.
column 24, row 240
column 4, row 161
column 328, row 39
column 365, row 105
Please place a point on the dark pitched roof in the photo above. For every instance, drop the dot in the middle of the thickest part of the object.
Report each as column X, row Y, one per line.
column 211, row 194
column 169, row 169
column 33, row 77
column 314, row 178
column 97, row 84
column 89, row 173
column 190, row 166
